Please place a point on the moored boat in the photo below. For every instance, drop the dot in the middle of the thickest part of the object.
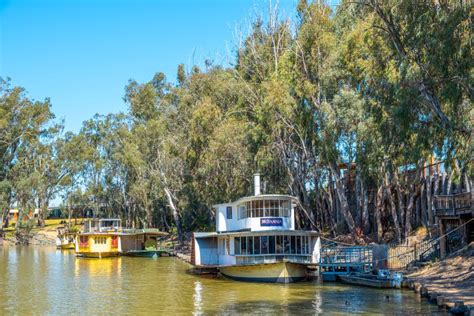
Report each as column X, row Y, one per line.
column 106, row 238
column 65, row 239
column 100, row 238
column 381, row 280
column 256, row 240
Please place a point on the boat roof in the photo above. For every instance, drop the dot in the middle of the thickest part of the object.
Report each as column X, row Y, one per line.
column 256, row 233
column 130, row 232
column 102, row 219
column 259, row 197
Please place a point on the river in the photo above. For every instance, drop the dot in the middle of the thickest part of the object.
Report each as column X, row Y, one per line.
column 43, row 280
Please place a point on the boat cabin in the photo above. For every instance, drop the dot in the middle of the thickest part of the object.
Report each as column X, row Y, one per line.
column 257, row 229
column 106, row 238
column 104, row 225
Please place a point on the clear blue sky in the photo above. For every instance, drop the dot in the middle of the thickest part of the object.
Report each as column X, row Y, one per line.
column 81, row 54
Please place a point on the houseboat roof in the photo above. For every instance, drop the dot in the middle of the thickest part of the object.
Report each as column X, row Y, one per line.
column 129, row 232
column 259, row 197
column 254, row 232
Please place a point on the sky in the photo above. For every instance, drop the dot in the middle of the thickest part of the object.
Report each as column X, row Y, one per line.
column 81, row 54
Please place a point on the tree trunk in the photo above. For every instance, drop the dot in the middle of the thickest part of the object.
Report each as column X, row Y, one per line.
column 423, row 204
column 359, row 199
column 400, row 198
column 175, row 213
column 429, row 199
column 365, row 211
column 343, row 200
column 331, row 211
column 378, row 213
column 435, row 192
column 393, row 208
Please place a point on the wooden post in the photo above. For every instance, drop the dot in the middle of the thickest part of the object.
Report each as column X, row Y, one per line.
column 442, row 241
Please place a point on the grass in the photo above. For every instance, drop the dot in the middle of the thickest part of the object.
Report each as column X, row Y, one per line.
column 50, row 224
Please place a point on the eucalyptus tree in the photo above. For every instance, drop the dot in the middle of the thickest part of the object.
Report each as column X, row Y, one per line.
column 22, row 123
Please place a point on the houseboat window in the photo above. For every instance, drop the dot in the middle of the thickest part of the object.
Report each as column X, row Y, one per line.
column 265, row 208
column 242, row 212
column 293, row 244
column 227, row 246
column 264, row 244
column 279, row 244
column 286, row 244
column 237, row 245
column 271, row 244
column 256, row 245
column 250, row 245
column 229, row 212
column 100, row 240
column 298, row 245
column 244, row 245
column 83, row 241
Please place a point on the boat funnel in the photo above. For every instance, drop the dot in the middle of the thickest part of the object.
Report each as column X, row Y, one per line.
column 256, row 183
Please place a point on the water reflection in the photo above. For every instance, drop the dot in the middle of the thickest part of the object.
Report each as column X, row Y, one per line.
column 55, row 282
column 197, row 298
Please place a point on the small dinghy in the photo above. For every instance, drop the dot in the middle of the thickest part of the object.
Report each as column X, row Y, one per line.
column 384, row 279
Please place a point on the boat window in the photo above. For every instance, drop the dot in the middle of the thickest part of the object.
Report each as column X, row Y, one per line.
column 100, row 240
column 227, row 246
column 293, row 244
column 84, row 241
column 244, row 245
column 256, row 245
column 279, row 244
column 298, row 245
column 271, row 244
column 264, row 244
column 229, row 212
column 265, row 208
column 237, row 245
column 242, row 212
column 286, row 244
column 250, row 245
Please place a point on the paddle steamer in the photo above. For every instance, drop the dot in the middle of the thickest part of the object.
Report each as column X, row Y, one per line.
column 256, row 240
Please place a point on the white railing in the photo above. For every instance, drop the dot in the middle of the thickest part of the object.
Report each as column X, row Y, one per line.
column 260, row 259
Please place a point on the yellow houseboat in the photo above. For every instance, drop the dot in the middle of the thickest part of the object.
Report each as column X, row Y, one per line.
column 256, row 240
column 106, row 238
column 65, row 239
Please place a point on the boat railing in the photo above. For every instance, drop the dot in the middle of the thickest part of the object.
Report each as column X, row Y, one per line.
column 260, row 259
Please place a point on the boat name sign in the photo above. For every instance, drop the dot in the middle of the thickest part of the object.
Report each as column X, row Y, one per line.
column 273, row 221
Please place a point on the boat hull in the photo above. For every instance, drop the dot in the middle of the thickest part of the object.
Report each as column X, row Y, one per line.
column 97, row 254
column 67, row 246
column 370, row 282
column 280, row 272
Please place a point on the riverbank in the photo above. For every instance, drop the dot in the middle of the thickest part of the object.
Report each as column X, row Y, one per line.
column 448, row 283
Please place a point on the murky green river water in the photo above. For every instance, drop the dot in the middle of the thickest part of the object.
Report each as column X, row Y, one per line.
column 47, row 281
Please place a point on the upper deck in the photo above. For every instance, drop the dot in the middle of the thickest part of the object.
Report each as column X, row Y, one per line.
column 105, row 225
column 260, row 212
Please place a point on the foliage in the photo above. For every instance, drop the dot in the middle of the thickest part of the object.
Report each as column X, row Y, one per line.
column 372, row 89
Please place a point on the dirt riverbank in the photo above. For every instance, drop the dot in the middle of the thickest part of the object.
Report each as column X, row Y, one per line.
column 448, row 282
